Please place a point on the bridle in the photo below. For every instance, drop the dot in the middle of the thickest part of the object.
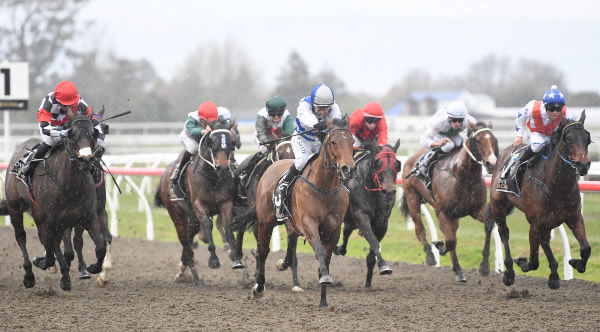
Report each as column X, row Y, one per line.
column 223, row 146
column 388, row 157
column 474, row 139
column 68, row 141
column 572, row 125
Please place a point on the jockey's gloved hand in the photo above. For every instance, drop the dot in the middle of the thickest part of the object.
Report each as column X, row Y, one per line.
column 264, row 149
column 321, row 125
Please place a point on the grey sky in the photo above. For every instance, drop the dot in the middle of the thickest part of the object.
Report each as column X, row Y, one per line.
column 369, row 44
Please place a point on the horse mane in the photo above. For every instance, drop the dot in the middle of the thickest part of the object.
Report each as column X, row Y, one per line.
column 341, row 123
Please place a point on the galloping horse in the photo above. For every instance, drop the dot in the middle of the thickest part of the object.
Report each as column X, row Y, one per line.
column 372, row 197
column 318, row 203
column 277, row 151
column 210, row 189
column 63, row 195
column 549, row 197
column 458, row 190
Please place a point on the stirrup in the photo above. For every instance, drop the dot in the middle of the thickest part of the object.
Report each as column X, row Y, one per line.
column 173, row 191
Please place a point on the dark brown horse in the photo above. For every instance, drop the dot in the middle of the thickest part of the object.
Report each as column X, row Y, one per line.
column 549, row 198
column 63, row 195
column 458, row 190
column 210, row 189
column 318, row 203
column 372, row 197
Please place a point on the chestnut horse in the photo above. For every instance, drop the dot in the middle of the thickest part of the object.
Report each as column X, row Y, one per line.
column 458, row 190
column 550, row 197
column 209, row 188
column 63, row 194
column 372, row 197
column 318, row 203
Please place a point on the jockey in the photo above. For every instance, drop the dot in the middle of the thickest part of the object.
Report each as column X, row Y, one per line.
column 368, row 126
column 442, row 136
column 272, row 122
column 541, row 117
column 195, row 127
column 57, row 108
column 313, row 111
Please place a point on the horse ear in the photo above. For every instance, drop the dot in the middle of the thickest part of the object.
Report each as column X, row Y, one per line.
column 397, row 145
column 582, row 117
column 233, row 125
column 489, row 124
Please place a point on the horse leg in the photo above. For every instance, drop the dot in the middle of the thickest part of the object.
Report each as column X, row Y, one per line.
column 449, row 226
column 68, row 245
column 414, row 207
column 370, row 266
column 221, row 228
column 54, row 250
column 553, row 279
column 488, row 225
column 103, row 278
column 264, row 232
column 291, row 260
column 578, row 229
column 341, row 250
column 226, row 213
column 239, row 242
column 78, row 241
column 534, row 247
column 46, row 239
column 16, row 219
column 94, row 228
column 499, row 216
column 213, row 260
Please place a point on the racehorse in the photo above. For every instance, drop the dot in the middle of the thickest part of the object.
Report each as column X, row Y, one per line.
column 549, row 197
column 276, row 151
column 63, row 194
column 372, row 197
column 210, row 189
column 318, row 202
column 458, row 190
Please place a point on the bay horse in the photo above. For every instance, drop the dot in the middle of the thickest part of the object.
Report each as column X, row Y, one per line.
column 318, row 203
column 63, row 195
column 372, row 197
column 276, row 151
column 458, row 190
column 210, row 189
column 549, row 198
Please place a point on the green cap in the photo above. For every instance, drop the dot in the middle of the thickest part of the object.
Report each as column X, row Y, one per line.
column 275, row 103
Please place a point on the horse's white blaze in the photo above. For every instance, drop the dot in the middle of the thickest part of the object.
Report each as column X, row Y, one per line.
column 223, row 142
column 85, row 152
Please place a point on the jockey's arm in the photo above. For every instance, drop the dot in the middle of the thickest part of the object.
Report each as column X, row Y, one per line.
column 193, row 127
column 261, row 129
column 288, row 125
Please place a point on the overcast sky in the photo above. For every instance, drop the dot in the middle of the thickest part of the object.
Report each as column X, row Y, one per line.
column 369, row 44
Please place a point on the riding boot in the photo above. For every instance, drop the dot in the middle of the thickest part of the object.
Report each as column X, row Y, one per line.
column 527, row 154
column 37, row 156
column 280, row 193
column 176, row 174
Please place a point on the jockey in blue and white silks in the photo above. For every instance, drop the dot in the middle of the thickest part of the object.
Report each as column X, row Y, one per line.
column 312, row 113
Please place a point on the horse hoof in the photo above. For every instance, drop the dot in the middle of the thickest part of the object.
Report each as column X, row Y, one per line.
column 460, row 278
column 554, row 283
column 254, row 252
column 577, row 264
column 94, row 269
column 439, row 245
column 198, row 283
column 101, row 282
column 237, row 265
column 508, row 278
column 256, row 293
column 84, row 274
column 51, row 269
column 340, row 251
column 484, row 269
column 385, row 270
column 280, row 265
column 325, row 280
column 40, row 262
column 297, row 289
column 29, row 281
column 65, row 284
column 214, row 263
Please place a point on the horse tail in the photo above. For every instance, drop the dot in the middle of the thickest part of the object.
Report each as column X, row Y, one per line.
column 404, row 205
column 157, row 201
column 3, row 208
column 244, row 220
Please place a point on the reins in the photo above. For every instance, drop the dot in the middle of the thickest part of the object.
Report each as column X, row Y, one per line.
column 480, row 162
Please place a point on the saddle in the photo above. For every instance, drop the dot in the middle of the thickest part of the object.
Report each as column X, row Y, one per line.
column 510, row 182
column 26, row 160
column 286, row 209
column 179, row 190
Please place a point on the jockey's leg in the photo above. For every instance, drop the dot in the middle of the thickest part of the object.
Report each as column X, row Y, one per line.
column 37, row 156
column 279, row 195
column 247, row 165
column 527, row 154
column 177, row 171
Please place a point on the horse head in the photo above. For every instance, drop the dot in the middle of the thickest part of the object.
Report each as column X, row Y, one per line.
column 384, row 167
column 80, row 139
column 482, row 145
column 338, row 147
column 571, row 140
column 219, row 144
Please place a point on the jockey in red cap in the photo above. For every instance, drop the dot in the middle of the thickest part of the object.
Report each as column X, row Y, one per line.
column 196, row 125
column 368, row 126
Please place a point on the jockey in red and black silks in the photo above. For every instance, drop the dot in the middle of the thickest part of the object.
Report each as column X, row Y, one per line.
column 368, row 126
